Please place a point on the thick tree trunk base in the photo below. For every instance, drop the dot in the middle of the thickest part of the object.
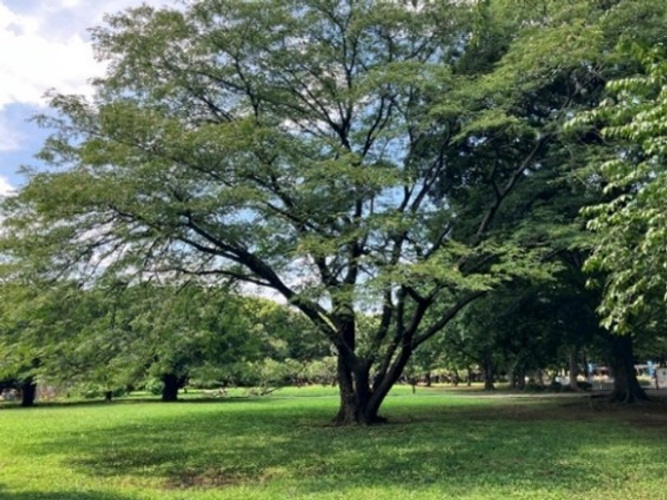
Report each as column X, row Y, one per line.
column 628, row 396
column 170, row 390
column 170, row 395
column 349, row 418
column 626, row 387
column 356, row 409
column 28, row 393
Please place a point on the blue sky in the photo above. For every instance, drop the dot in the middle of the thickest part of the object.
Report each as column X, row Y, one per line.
column 45, row 45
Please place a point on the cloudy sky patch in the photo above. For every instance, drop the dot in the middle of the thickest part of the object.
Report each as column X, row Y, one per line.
column 45, row 45
column 5, row 187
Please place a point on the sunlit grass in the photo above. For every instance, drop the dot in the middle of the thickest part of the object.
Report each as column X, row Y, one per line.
column 437, row 445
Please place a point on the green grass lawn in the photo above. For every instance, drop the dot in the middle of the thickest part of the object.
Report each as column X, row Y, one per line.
column 437, row 445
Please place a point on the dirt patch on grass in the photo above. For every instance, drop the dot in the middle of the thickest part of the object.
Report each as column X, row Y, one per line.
column 644, row 415
column 214, row 478
column 648, row 414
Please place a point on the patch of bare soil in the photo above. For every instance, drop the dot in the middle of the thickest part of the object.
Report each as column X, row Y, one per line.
column 212, row 478
column 646, row 414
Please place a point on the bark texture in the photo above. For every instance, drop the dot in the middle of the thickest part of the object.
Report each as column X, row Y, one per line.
column 626, row 387
column 488, row 375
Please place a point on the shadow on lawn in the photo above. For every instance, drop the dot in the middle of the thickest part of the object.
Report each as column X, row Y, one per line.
column 16, row 405
column 66, row 495
column 452, row 449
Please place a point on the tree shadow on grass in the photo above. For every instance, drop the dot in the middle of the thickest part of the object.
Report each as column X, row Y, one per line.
column 455, row 450
column 16, row 405
column 63, row 495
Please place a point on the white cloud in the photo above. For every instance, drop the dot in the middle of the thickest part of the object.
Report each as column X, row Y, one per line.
column 46, row 46
column 5, row 187
column 37, row 63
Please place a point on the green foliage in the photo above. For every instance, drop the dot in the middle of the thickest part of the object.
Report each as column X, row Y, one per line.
column 154, row 386
column 35, row 318
column 526, row 327
column 107, row 338
column 379, row 165
column 630, row 224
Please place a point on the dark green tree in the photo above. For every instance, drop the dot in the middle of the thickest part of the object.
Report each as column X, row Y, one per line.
column 628, row 222
column 34, row 320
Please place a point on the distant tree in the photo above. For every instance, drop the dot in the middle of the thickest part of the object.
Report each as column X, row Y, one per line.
column 34, row 320
column 166, row 333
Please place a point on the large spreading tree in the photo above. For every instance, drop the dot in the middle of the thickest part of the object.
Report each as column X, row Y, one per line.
column 356, row 158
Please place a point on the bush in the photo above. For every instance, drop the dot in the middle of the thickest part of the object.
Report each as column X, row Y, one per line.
column 154, row 386
column 96, row 391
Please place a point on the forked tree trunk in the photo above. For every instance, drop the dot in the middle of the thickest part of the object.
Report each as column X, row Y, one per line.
column 357, row 406
column 28, row 392
column 626, row 387
column 359, row 402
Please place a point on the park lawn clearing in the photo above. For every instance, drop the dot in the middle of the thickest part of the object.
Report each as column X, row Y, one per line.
column 436, row 445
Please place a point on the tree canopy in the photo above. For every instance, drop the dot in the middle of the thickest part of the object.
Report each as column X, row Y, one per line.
column 630, row 222
column 357, row 158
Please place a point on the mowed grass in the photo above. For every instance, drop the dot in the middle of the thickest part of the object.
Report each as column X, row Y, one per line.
column 437, row 445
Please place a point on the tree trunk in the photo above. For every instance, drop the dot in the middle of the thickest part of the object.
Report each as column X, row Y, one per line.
column 357, row 406
column 108, row 396
column 574, row 368
column 521, row 380
column 171, row 385
column 28, row 392
column 488, row 375
column 626, row 386
column 518, row 376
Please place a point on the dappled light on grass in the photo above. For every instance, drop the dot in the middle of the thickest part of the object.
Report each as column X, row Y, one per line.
column 433, row 447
